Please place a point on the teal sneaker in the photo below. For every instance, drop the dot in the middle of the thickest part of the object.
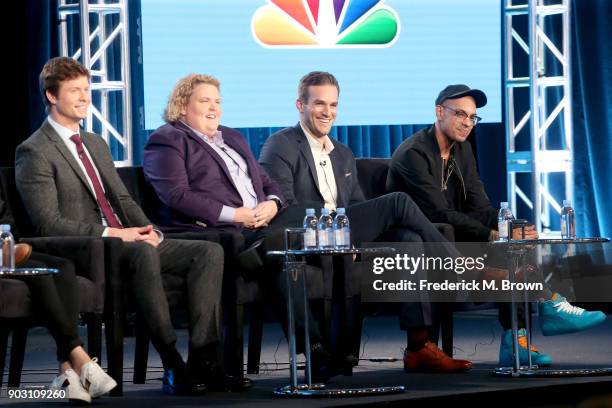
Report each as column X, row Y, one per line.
column 558, row 316
column 505, row 351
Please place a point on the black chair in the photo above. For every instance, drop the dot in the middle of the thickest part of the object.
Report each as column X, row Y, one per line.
column 16, row 311
column 372, row 174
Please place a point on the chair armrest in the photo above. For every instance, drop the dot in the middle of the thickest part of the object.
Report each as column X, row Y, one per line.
column 86, row 253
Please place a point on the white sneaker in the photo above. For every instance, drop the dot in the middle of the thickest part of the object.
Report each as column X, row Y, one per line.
column 95, row 380
column 70, row 381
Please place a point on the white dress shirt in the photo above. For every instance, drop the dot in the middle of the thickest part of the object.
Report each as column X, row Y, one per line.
column 321, row 148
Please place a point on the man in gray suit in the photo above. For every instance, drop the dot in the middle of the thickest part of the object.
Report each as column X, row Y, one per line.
column 69, row 186
column 314, row 170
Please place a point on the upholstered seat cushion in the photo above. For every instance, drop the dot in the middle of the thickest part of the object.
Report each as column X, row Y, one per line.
column 14, row 299
column 88, row 295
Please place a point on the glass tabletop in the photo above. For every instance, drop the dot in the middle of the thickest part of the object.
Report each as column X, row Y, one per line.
column 586, row 240
column 28, row 272
column 345, row 251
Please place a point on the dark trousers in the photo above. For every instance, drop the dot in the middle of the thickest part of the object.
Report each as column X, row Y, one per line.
column 396, row 217
column 394, row 210
column 200, row 264
column 56, row 299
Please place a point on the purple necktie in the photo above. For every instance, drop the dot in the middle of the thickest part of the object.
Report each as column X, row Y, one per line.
column 105, row 206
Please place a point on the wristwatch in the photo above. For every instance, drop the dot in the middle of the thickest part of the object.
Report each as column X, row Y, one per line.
column 279, row 205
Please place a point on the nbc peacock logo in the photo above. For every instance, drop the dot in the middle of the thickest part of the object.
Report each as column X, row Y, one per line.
column 325, row 24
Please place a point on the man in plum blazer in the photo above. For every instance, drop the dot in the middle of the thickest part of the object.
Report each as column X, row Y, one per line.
column 194, row 182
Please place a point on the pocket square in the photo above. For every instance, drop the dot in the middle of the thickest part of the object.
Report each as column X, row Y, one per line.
column 347, row 174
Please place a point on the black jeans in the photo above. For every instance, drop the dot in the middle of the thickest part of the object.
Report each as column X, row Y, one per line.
column 56, row 299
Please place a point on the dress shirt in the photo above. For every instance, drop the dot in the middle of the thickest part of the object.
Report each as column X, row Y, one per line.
column 321, row 148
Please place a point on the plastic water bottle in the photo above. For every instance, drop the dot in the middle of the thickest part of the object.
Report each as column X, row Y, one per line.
column 8, row 248
column 568, row 221
column 503, row 216
column 342, row 230
column 325, row 231
column 310, row 225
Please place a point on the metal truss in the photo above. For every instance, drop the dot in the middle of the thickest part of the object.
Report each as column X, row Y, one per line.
column 96, row 33
column 537, row 76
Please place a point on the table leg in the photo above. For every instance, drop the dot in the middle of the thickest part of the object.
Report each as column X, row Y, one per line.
column 289, row 274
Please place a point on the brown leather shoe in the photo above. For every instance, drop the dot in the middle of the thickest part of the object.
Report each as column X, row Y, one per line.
column 433, row 360
column 22, row 253
column 490, row 273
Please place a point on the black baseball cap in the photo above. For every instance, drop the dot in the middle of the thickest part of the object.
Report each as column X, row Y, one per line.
column 459, row 91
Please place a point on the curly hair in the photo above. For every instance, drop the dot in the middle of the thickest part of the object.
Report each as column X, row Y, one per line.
column 179, row 98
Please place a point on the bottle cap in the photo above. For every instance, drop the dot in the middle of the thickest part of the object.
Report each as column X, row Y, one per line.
column 5, row 228
column 340, row 210
column 567, row 203
column 504, row 204
column 310, row 211
column 324, row 211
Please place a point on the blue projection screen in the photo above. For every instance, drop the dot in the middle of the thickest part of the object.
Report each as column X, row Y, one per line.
column 391, row 57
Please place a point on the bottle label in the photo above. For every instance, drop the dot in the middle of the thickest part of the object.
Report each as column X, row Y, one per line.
column 502, row 227
column 310, row 239
column 343, row 238
column 564, row 227
column 324, row 238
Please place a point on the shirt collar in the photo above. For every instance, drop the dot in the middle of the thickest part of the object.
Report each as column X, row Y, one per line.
column 61, row 130
column 326, row 147
column 217, row 138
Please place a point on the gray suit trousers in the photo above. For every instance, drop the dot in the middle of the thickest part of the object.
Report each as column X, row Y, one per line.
column 200, row 263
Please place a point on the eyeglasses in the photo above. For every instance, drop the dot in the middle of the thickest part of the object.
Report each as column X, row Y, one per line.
column 463, row 115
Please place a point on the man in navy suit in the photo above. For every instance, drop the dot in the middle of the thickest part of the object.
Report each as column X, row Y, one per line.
column 314, row 170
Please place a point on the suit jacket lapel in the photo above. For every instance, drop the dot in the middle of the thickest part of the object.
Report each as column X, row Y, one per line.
column 210, row 151
column 61, row 147
column 305, row 151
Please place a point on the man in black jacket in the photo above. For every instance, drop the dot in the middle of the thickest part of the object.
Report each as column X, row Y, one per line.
column 439, row 172
column 317, row 171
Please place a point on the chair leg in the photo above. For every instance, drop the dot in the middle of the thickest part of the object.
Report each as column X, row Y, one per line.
column 114, row 351
column 4, row 333
column 20, row 335
column 94, row 335
column 447, row 331
column 255, row 339
column 327, row 318
column 141, row 354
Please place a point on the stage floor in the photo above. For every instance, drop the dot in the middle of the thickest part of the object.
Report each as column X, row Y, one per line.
column 477, row 337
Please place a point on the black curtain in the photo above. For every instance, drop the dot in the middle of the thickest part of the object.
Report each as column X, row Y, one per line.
column 34, row 38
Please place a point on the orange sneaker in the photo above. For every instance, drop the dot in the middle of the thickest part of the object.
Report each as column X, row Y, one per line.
column 431, row 359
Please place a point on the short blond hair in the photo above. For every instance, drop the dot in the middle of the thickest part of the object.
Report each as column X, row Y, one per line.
column 179, row 98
